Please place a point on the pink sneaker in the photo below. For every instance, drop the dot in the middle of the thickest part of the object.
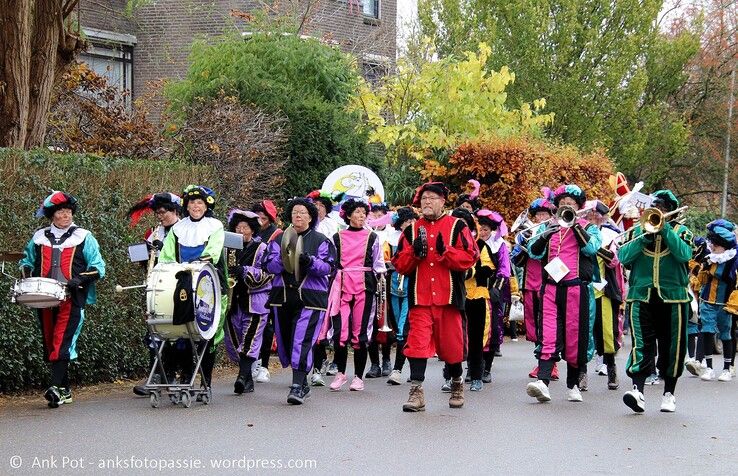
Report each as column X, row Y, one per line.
column 357, row 384
column 338, row 381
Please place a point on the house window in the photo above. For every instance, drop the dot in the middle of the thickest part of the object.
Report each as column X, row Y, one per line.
column 111, row 56
column 370, row 8
column 373, row 71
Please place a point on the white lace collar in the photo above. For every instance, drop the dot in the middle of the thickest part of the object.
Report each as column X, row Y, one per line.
column 719, row 258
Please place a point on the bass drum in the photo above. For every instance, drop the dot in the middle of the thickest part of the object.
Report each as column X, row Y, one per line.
column 160, row 290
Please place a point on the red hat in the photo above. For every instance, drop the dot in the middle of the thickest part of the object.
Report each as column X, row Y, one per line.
column 435, row 187
column 271, row 210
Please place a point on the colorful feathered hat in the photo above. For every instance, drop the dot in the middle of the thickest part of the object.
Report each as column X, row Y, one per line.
column 192, row 192
column 435, row 187
column 266, row 207
column 543, row 204
column 722, row 233
column 572, row 191
column 56, row 201
column 665, row 198
column 472, row 198
column 153, row 202
column 493, row 220
column 236, row 216
column 323, row 197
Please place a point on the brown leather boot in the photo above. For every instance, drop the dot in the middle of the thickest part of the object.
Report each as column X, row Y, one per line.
column 416, row 400
column 457, row 394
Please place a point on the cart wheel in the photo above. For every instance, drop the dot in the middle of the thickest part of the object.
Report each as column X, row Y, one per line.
column 174, row 398
column 155, row 399
column 185, row 398
column 207, row 396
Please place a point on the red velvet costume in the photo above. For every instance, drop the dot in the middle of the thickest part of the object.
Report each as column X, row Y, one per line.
column 436, row 288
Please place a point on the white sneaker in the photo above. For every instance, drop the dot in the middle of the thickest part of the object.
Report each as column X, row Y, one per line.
column 395, row 378
column 262, row 376
column 694, row 368
column 708, row 374
column 574, row 394
column 668, row 403
column 635, row 401
column 316, row 380
column 255, row 369
column 601, row 370
column 725, row 376
column 539, row 391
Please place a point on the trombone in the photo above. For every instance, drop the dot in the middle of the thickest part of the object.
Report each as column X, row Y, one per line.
column 652, row 221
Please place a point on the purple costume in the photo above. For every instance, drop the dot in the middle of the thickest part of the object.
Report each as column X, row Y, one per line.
column 299, row 304
column 248, row 314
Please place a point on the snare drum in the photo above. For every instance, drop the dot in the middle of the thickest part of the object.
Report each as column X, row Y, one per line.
column 160, row 300
column 39, row 293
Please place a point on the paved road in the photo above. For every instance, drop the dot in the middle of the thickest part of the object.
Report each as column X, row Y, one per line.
column 500, row 430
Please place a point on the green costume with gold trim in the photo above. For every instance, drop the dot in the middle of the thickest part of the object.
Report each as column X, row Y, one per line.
column 657, row 301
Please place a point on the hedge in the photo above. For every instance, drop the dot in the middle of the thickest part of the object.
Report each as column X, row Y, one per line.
column 110, row 346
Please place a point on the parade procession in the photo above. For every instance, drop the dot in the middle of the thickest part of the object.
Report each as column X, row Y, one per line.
column 334, row 282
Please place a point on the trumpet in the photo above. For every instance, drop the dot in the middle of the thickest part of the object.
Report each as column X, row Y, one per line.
column 565, row 216
column 382, row 311
column 653, row 221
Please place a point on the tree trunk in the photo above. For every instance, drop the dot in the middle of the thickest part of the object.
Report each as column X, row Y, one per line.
column 15, row 53
column 48, row 27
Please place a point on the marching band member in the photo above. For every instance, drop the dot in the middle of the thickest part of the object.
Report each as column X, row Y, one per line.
column 378, row 221
column 248, row 313
column 434, row 253
column 401, row 219
column 267, row 213
column 470, row 201
column 540, row 210
column 69, row 254
column 477, row 307
column 327, row 226
column 717, row 278
column 565, row 297
column 608, row 322
column 199, row 236
column 352, row 306
column 299, row 301
column 166, row 207
column 492, row 229
column 657, row 302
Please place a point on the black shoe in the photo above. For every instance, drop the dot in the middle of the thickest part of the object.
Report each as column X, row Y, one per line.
column 498, row 353
column 374, row 372
column 468, row 378
column 487, row 377
column 249, row 387
column 612, row 377
column 53, row 396
column 306, row 391
column 240, row 386
column 386, row 368
column 297, row 395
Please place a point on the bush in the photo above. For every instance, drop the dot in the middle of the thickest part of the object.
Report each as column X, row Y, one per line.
column 110, row 345
column 307, row 81
column 512, row 171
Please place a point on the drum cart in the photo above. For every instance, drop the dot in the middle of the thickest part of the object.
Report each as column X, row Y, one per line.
column 179, row 393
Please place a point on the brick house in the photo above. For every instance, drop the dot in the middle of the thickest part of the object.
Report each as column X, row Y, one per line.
column 153, row 43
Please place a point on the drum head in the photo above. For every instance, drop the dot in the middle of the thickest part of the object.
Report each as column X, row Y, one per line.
column 207, row 302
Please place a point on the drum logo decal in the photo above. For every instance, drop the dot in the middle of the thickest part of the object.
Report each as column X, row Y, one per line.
column 205, row 304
